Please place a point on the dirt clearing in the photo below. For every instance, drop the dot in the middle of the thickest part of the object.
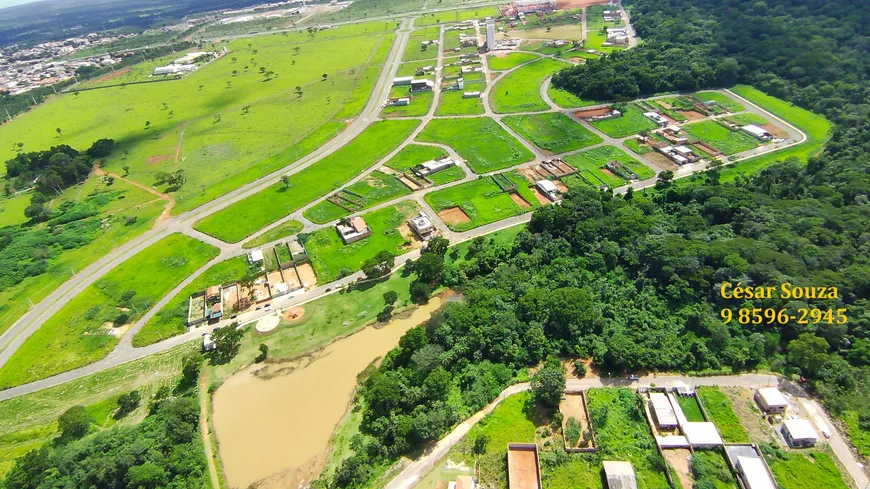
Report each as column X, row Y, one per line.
column 519, row 200
column 572, row 407
column 306, row 274
column 294, row 314
column 522, row 468
column 679, row 459
column 538, row 195
column 692, row 115
column 775, row 131
column 411, row 236
column 112, row 75
column 454, row 215
column 155, row 159
column 660, row 161
column 589, row 113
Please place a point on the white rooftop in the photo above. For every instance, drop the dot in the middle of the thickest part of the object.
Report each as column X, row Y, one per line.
column 800, row 429
column 620, row 475
column 772, row 397
column 754, row 130
column 662, row 409
column 546, row 185
column 256, row 255
column 701, row 433
column 754, row 473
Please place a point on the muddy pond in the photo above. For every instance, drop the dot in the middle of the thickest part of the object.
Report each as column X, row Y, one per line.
column 273, row 422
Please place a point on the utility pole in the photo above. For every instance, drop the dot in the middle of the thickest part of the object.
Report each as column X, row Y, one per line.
column 7, row 113
column 32, row 98
column 55, row 90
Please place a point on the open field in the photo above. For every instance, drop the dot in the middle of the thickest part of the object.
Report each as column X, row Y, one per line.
column 720, row 137
column 512, row 60
column 228, row 123
column 286, row 229
column 718, row 407
column 172, row 319
column 455, row 16
column 412, row 155
column 580, row 470
column 624, row 435
column 519, row 91
column 330, row 256
column 632, row 122
column 121, row 212
column 800, row 470
column 28, row 421
column 591, row 164
column 481, row 200
column 12, row 210
column 554, row 131
column 239, row 220
column 375, row 188
column 90, row 325
column 419, row 105
column 484, row 144
column 723, row 100
column 453, row 103
column 568, row 100
column 816, row 127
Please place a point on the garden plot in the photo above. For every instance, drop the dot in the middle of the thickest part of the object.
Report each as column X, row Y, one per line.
column 331, row 258
column 592, row 167
column 375, row 188
column 721, row 138
column 631, row 122
column 520, row 90
column 553, row 132
column 483, row 144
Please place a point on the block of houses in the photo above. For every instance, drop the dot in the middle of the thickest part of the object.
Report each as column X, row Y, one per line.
column 422, row 225
column 422, row 85
column 799, row 432
column 619, row 475
column 686, row 152
column 771, row 400
column 754, row 473
column 757, row 132
column 549, row 189
column 353, row 229
column 672, row 154
column 663, row 413
column 657, row 118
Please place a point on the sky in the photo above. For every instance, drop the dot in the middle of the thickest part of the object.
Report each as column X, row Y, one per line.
column 10, row 3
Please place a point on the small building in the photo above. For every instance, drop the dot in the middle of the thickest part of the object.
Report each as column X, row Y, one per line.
column 422, row 225
column 474, row 94
column 702, row 435
column 771, row 400
column 754, row 473
column 662, row 412
column 434, row 166
column 216, row 311
column 353, row 229
column 256, row 256
column 402, row 80
column 422, row 85
column 757, row 132
column 619, row 475
column 548, row 188
column 297, row 250
column 799, row 432
column 173, row 69
column 398, row 102
column 657, row 118
column 610, row 16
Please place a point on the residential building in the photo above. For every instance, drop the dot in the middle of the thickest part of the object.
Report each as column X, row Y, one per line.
column 702, row 435
column 662, row 412
column 757, row 132
column 402, row 80
column 173, row 69
column 657, row 118
column 422, row 225
column 799, row 432
column 754, row 473
column 434, row 166
column 256, row 256
column 397, row 102
column 610, row 15
column 471, row 94
column 353, row 229
column 422, row 85
column 619, row 475
column 548, row 188
column 771, row 400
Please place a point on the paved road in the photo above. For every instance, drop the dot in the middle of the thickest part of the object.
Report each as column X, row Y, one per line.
column 432, row 456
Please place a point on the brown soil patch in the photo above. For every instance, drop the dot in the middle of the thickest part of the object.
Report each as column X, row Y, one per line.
column 522, row 468
column 692, row 115
column 749, row 415
column 538, row 195
column 679, row 459
column 454, row 215
column 707, row 148
column 775, row 131
column 112, row 75
column 608, row 172
column 294, row 314
column 307, row 275
column 405, row 232
column 519, row 200
column 561, row 187
column 530, row 174
column 571, row 406
column 566, row 4
column 660, row 161
column 155, row 159
column 170, row 202
column 585, row 114
column 664, row 104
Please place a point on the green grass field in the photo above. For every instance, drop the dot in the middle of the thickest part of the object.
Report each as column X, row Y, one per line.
column 805, row 471
column 816, row 127
column 720, row 137
column 632, row 122
column 172, row 319
column 204, row 128
column 130, row 202
column 723, row 100
column 690, row 408
column 591, row 165
column 81, row 332
column 329, row 255
column 12, row 210
column 484, row 144
column 623, row 434
column 419, row 105
column 481, row 200
column 288, row 228
column 374, row 189
column 520, row 90
column 234, row 223
column 580, row 470
column 412, row 155
column 748, row 118
column 634, row 145
column 512, row 60
column 453, row 103
column 454, row 16
column 554, row 131
column 721, row 413
column 568, row 100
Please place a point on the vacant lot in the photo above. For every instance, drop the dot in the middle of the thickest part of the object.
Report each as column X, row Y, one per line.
column 798, row 470
column 710, row 469
column 281, row 231
column 484, row 144
column 632, row 122
column 234, row 223
column 481, row 200
column 520, row 90
column 375, row 188
column 554, row 131
column 453, row 103
column 454, row 16
column 412, row 155
column 12, row 210
column 91, row 324
column 592, row 165
column 718, row 407
column 579, row 470
column 723, row 100
column 624, row 435
column 331, row 258
column 720, row 137
column 512, row 60
column 568, row 100
column 419, row 105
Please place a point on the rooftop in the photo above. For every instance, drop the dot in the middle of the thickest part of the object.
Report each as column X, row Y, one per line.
column 620, row 475
column 702, row 434
column 800, row 429
column 754, row 472
column 772, row 397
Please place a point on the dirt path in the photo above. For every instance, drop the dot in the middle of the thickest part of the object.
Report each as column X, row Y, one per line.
column 170, row 202
column 203, row 427
column 178, row 147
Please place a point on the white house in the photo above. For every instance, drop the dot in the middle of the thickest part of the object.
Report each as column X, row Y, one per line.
column 799, row 432
column 702, row 435
column 548, row 188
column 256, row 256
column 662, row 411
column 771, row 400
column 754, row 473
column 422, row 225
column 619, row 475
column 434, row 166
column 757, row 132
column 657, row 118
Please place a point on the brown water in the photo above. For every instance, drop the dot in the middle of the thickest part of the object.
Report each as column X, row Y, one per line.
column 273, row 422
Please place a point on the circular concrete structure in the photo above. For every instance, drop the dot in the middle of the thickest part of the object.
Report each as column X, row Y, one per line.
column 267, row 324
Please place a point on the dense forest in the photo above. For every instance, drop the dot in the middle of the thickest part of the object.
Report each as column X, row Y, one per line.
column 635, row 281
